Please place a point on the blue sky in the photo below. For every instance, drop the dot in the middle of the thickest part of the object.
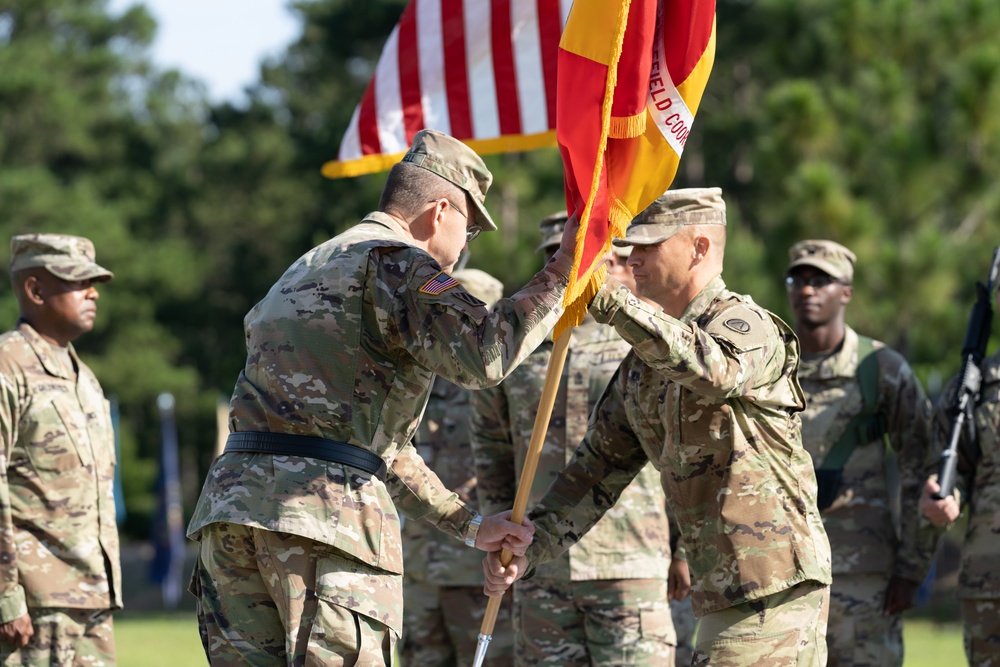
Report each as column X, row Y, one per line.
column 220, row 42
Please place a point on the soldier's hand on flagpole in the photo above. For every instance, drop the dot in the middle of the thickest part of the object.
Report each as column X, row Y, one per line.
column 568, row 242
column 678, row 580
column 498, row 577
column 498, row 532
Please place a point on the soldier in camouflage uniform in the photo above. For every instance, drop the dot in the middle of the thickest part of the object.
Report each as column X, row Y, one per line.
column 443, row 584
column 300, row 556
column 877, row 567
column 604, row 601
column 977, row 486
column 59, row 558
column 709, row 395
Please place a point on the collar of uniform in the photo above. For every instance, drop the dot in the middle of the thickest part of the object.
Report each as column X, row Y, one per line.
column 386, row 220
column 843, row 362
column 43, row 349
column 699, row 304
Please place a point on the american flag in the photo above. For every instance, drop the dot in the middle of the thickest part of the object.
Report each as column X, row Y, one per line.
column 483, row 71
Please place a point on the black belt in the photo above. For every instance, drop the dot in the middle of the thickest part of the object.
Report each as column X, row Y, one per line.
column 284, row 444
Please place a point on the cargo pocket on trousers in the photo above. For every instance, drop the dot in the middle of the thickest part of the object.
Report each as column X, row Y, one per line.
column 657, row 623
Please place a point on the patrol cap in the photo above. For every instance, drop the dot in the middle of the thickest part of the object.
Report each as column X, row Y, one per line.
column 827, row 256
column 64, row 256
column 480, row 284
column 671, row 211
column 551, row 227
column 455, row 162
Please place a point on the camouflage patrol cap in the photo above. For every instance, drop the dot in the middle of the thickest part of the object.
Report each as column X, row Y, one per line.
column 455, row 162
column 671, row 211
column 551, row 227
column 64, row 256
column 827, row 256
column 480, row 284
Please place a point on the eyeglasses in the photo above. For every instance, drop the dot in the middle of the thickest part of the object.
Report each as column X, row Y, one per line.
column 818, row 281
column 472, row 231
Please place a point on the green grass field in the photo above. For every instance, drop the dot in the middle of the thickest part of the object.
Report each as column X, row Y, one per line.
column 171, row 640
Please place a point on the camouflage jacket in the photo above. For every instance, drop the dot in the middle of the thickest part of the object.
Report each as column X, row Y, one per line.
column 58, row 536
column 711, row 399
column 859, row 523
column 344, row 347
column 632, row 541
column 442, row 440
column 980, row 482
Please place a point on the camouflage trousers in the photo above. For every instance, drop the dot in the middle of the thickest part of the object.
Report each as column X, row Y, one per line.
column 441, row 626
column 682, row 614
column 981, row 631
column 268, row 598
column 858, row 635
column 66, row 638
column 599, row 622
column 786, row 629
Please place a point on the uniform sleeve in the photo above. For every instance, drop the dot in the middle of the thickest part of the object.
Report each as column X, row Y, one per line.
column 12, row 598
column 419, row 494
column 607, row 460
column 451, row 333
column 722, row 361
column 493, row 450
column 907, row 412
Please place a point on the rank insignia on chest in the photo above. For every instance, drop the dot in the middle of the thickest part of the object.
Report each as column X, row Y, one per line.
column 439, row 283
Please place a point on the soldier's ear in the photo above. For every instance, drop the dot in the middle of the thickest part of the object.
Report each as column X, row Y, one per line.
column 846, row 294
column 34, row 290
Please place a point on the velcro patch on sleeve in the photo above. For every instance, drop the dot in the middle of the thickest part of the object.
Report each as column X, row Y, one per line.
column 442, row 282
column 741, row 326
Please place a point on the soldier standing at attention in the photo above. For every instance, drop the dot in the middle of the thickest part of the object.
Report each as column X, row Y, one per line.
column 708, row 394
column 977, row 485
column 300, row 557
column 862, row 399
column 443, row 581
column 59, row 558
column 604, row 601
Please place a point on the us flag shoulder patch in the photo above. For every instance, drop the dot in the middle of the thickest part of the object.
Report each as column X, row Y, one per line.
column 439, row 283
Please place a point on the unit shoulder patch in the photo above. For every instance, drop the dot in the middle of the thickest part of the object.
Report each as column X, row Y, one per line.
column 742, row 326
column 440, row 283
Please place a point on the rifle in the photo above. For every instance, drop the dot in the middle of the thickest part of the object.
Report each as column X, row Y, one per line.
column 973, row 352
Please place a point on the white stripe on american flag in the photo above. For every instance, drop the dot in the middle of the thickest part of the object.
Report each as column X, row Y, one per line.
column 431, row 45
column 528, row 61
column 388, row 104
column 564, row 7
column 350, row 145
column 482, row 88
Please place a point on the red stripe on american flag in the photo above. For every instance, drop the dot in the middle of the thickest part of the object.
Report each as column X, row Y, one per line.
column 684, row 49
column 409, row 73
column 549, row 31
column 368, row 123
column 456, row 71
column 504, row 71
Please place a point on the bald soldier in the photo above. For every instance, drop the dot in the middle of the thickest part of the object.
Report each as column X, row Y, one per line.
column 300, row 557
column 709, row 395
column 863, row 403
column 604, row 601
column 60, row 577
column 443, row 580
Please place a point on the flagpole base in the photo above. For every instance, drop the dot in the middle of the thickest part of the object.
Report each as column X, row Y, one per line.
column 484, row 643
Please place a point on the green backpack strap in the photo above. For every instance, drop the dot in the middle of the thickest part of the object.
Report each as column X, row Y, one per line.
column 867, row 425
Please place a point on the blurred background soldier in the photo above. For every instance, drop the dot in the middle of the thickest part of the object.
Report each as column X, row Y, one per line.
column 443, row 579
column 863, row 403
column 978, row 487
column 59, row 556
column 603, row 602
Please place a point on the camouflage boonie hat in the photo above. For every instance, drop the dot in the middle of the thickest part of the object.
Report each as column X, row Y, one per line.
column 481, row 285
column 671, row 211
column 455, row 162
column 551, row 227
column 64, row 256
column 828, row 256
